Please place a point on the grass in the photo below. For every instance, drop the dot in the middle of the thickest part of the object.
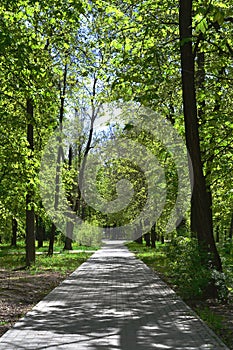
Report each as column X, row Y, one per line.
column 154, row 258
column 217, row 323
column 58, row 247
column 59, row 263
column 213, row 320
column 159, row 260
column 14, row 258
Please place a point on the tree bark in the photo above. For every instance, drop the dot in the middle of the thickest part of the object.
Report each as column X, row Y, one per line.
column 138, row 234
column 51, row 239
column 94, row 111
column 14, row 232
column 147, row 239
column 69, row 224
column 30, row 217
column 68, row 241
column 59, row 159
column 162, row 239
column 40, row 231
column 201, row 207
column 153, row 236
column 138, row 240
column 217, row 234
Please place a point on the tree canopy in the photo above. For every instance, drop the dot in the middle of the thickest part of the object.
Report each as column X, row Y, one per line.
column 62, row 63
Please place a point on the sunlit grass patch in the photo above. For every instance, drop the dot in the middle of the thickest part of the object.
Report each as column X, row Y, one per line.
column 62, row 261
column 59, row 262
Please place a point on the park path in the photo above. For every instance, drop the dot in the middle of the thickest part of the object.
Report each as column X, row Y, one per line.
column 112, row 301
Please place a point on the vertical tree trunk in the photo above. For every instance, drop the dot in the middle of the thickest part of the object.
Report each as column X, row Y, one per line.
column 30, row 217
column 217, row 234
column 201, row 207
column 51, row 239
column 94, row 111
column 147, row 239
column 40, row 231
column 68, row 240
column 162, row 239
column 59, row 159
column 153, row 236
column 201, row 76
column 138, row 233
column 138, row 240
column 14, row 232
column 69, row 224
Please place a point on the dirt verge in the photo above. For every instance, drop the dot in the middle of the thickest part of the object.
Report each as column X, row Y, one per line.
column 20, row 291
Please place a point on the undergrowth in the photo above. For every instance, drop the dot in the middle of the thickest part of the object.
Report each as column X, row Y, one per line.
column 185, row 267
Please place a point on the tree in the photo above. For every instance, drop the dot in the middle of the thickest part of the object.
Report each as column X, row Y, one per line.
column 201, row 216
column 30, row 215
column 69, row 224
column 127, row 51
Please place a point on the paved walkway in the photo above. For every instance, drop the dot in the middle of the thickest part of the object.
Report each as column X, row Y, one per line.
column 112, row 301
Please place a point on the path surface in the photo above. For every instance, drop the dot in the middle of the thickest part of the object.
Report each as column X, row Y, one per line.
column 112, row 301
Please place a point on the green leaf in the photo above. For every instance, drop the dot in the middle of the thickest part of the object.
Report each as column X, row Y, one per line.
column 219, row 17
column 202, row 26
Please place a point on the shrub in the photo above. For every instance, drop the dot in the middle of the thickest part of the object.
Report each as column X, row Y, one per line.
column 188, row 267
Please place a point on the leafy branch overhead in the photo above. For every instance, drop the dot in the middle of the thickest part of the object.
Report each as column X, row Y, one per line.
column 71, row 58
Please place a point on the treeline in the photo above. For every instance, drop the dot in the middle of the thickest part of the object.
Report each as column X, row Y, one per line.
column 65, row 59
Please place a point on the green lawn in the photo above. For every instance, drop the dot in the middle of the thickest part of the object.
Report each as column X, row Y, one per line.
column 62, row 261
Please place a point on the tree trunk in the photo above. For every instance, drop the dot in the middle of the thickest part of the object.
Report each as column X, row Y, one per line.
column 69, row 224
column 30, row 217
column 147, row 239
column 138, row 234
column 201, row 207
column 14, row 232
column 78, row 208
column 217, row 233
column 68, row 241
column 40, row 231
column 59, row 158
column 51, row 239
column 153, row 236
column 162, row 239
column 138, row 240
column 201, row 75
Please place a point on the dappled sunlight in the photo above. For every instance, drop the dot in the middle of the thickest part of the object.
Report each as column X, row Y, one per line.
column 113, row 301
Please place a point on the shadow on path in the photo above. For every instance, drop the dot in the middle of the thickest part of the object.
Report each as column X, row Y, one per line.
column 113, row 301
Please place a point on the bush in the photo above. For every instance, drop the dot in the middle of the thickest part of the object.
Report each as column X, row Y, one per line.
column 188, row 267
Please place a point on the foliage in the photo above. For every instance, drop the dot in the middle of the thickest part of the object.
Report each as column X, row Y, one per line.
column 181, row 264
column 187, row 267
column 113, row 51
column 227, row 261
column 213, row 320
